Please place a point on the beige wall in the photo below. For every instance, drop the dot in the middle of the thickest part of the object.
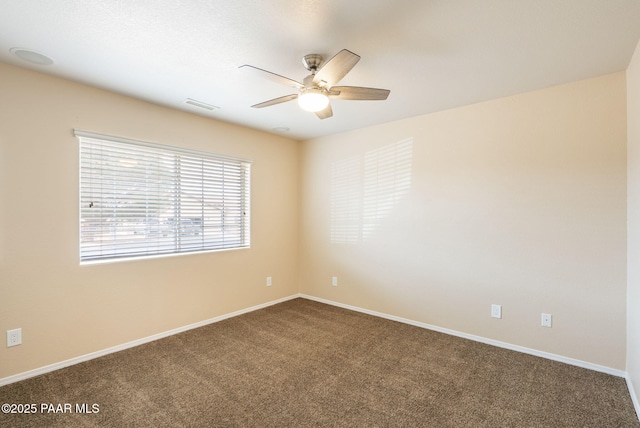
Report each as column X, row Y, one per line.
column 519, row 201
column 633, row 221
column 66, row 310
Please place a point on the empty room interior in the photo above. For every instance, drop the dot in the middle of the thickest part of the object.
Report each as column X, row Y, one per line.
column 474, row 178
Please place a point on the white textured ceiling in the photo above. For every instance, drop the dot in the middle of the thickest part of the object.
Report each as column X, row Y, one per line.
column 432, row 54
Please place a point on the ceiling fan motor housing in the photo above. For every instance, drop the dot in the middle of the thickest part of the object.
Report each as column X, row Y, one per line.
column 308, row 82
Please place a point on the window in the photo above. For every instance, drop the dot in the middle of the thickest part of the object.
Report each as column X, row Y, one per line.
column 141, row 199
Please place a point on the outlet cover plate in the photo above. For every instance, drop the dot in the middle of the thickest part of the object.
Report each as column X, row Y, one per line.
column 546, row 320
column 496, row 311
column 14, row 337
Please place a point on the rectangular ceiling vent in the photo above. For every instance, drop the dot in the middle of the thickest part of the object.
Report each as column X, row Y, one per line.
column 201, row 104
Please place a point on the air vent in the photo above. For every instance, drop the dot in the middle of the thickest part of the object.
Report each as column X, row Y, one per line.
column 31, row 56
column 201, row 104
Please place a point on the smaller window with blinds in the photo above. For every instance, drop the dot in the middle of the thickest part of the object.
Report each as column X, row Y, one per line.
column 141, row 199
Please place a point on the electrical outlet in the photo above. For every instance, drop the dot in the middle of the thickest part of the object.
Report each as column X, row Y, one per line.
column 14, row 337
column 546, row 320
column 268, row 281
column 334, row 281
column 496, row 311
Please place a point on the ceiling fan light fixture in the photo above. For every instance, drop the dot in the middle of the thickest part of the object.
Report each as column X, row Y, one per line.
column 313, row 100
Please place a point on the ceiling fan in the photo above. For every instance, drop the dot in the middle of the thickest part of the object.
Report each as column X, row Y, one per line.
column 316, row 89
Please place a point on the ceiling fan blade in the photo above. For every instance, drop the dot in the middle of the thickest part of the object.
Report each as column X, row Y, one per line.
column 336, row 68
column 271, row 76
column 325, row 113
column 276, row 101
column 358, row 93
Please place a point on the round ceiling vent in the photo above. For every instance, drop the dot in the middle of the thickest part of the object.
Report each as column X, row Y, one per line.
column 31, row 56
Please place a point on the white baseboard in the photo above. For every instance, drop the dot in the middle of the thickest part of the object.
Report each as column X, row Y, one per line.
column 634, row 397
column 56, row 366
column 547, row 355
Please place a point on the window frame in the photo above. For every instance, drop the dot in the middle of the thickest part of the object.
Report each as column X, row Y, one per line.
column 212, row 233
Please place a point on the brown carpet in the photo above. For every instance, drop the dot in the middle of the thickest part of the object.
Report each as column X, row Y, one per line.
column 303, row 363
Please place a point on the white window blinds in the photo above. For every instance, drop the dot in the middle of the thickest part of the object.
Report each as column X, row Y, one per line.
column 141, row 199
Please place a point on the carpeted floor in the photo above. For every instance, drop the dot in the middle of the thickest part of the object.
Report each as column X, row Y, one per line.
column 303, row 363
